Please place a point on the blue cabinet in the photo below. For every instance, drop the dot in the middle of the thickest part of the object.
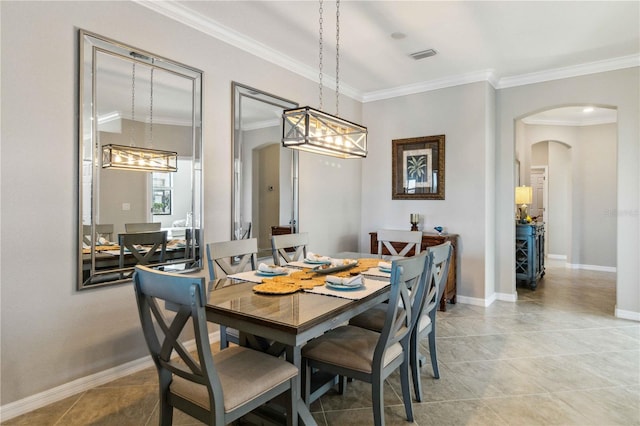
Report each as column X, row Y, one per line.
column 529, row 253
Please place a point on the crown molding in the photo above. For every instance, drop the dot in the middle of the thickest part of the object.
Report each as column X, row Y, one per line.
column 575, row 123
column 612, row 64
column 427, row 86
column 204, row 24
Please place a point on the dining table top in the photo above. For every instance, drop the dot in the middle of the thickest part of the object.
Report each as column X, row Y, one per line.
column 290, row 317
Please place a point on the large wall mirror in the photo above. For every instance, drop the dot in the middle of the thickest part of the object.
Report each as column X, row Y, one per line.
column 140, row 174
column 265, row 175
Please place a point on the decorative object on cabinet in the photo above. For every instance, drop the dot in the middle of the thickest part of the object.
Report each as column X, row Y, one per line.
column 417, row 168
column 414, row 219
column 430, row 239
column 524, row 196
column 530, row 253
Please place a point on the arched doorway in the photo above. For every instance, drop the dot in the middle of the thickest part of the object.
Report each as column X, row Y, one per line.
column 577, row 148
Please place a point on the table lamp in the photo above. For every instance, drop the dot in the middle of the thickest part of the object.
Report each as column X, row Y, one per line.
column 524, row 196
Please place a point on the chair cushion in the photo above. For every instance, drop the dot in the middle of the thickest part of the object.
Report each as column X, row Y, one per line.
column 372, row 319
column 425, row 321
column 244, row 374
column 349, row 346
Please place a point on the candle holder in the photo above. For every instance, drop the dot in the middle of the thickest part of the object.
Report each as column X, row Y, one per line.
column 414, row 219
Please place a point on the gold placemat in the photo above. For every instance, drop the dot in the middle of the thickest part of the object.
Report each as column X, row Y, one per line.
column 301, row 280
column 101, row 248
column 275, row 288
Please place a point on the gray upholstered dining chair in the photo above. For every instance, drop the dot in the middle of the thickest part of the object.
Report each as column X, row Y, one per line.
column 373, row 319
column 142, row 227
column 407, row 240
column 104, row 230
column 362, row 354
column 289, row 247
column 214, row 388
column 153, row 251
column 426, row 324
column 226, row 258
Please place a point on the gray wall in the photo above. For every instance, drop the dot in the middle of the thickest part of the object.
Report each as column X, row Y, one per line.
column 91, row 331
column 581, row 164
column 618, row 89
column 50, row 333
column 464, row 114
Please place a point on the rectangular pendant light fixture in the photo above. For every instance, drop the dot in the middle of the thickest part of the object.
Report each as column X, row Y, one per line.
column 311, row 130
column 143, row 159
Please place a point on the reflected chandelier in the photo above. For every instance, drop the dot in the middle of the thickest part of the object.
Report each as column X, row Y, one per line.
column 123, row 157
column 312, row 130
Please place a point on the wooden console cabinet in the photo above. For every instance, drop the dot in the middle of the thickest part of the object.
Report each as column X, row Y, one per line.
column 431, row 239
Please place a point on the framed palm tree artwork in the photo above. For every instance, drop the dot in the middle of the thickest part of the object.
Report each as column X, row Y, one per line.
column 418, row 168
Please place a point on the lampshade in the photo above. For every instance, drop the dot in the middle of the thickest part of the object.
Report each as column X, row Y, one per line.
column 524, row 194
column 311, row 130
column 142, row 159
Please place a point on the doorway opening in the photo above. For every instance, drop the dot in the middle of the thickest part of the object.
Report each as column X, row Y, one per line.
column 568, row 156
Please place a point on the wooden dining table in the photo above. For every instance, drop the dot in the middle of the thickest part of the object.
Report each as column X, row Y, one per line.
column 282, row 324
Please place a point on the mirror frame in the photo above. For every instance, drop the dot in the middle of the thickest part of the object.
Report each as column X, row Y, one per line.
column 88, row 45
column 238, row 92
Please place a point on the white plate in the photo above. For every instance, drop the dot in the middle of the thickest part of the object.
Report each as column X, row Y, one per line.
column 317, row 262
column 341, row 287
column 270, row 274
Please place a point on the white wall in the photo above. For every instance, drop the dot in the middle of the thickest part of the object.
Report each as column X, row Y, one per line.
column 461, row 114
column 582, row 190
column 90, row 331
column 52, row 334
column 618, row 89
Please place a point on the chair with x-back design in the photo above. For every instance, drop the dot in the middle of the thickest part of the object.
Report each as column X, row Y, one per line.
column 215, row 388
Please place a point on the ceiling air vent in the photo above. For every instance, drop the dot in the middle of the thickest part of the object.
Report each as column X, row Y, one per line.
column 423, row 54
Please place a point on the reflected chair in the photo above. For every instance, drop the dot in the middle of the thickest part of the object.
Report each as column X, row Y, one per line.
column 230, row 257
column 142, row 227
column 405, row 242
column 361, row 354
column 145, row 247
column 101, row 231
column 214, row 388
column 289, row 247
column 373, row 319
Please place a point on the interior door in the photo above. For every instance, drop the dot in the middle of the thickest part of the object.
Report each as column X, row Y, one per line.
column 537, row 208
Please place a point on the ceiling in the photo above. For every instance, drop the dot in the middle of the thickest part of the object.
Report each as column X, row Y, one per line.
column 507, row 43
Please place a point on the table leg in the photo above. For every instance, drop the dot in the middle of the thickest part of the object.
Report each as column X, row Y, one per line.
column 293, row 355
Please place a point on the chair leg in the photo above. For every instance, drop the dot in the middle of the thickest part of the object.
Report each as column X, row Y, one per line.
column 377, row 397
column 224, row 343
column 342, row 385
column 414, row 361
column 306, row 382
column 292, row 404
column 404, row 382
column 433, row 354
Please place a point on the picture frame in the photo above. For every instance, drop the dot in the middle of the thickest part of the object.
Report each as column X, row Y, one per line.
column 418, row 168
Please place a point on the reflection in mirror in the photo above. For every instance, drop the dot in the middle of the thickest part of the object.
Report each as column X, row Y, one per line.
column 135, row 99
column 265, row 175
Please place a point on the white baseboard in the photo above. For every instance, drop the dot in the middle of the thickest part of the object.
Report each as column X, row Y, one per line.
column 557, row 256
column 507, row 297
column 630, row 315
column 592, row 267
column 475, row 301
column 39, row 400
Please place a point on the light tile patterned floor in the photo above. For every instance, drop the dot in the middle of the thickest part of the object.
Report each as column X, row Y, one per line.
column 557, row 356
